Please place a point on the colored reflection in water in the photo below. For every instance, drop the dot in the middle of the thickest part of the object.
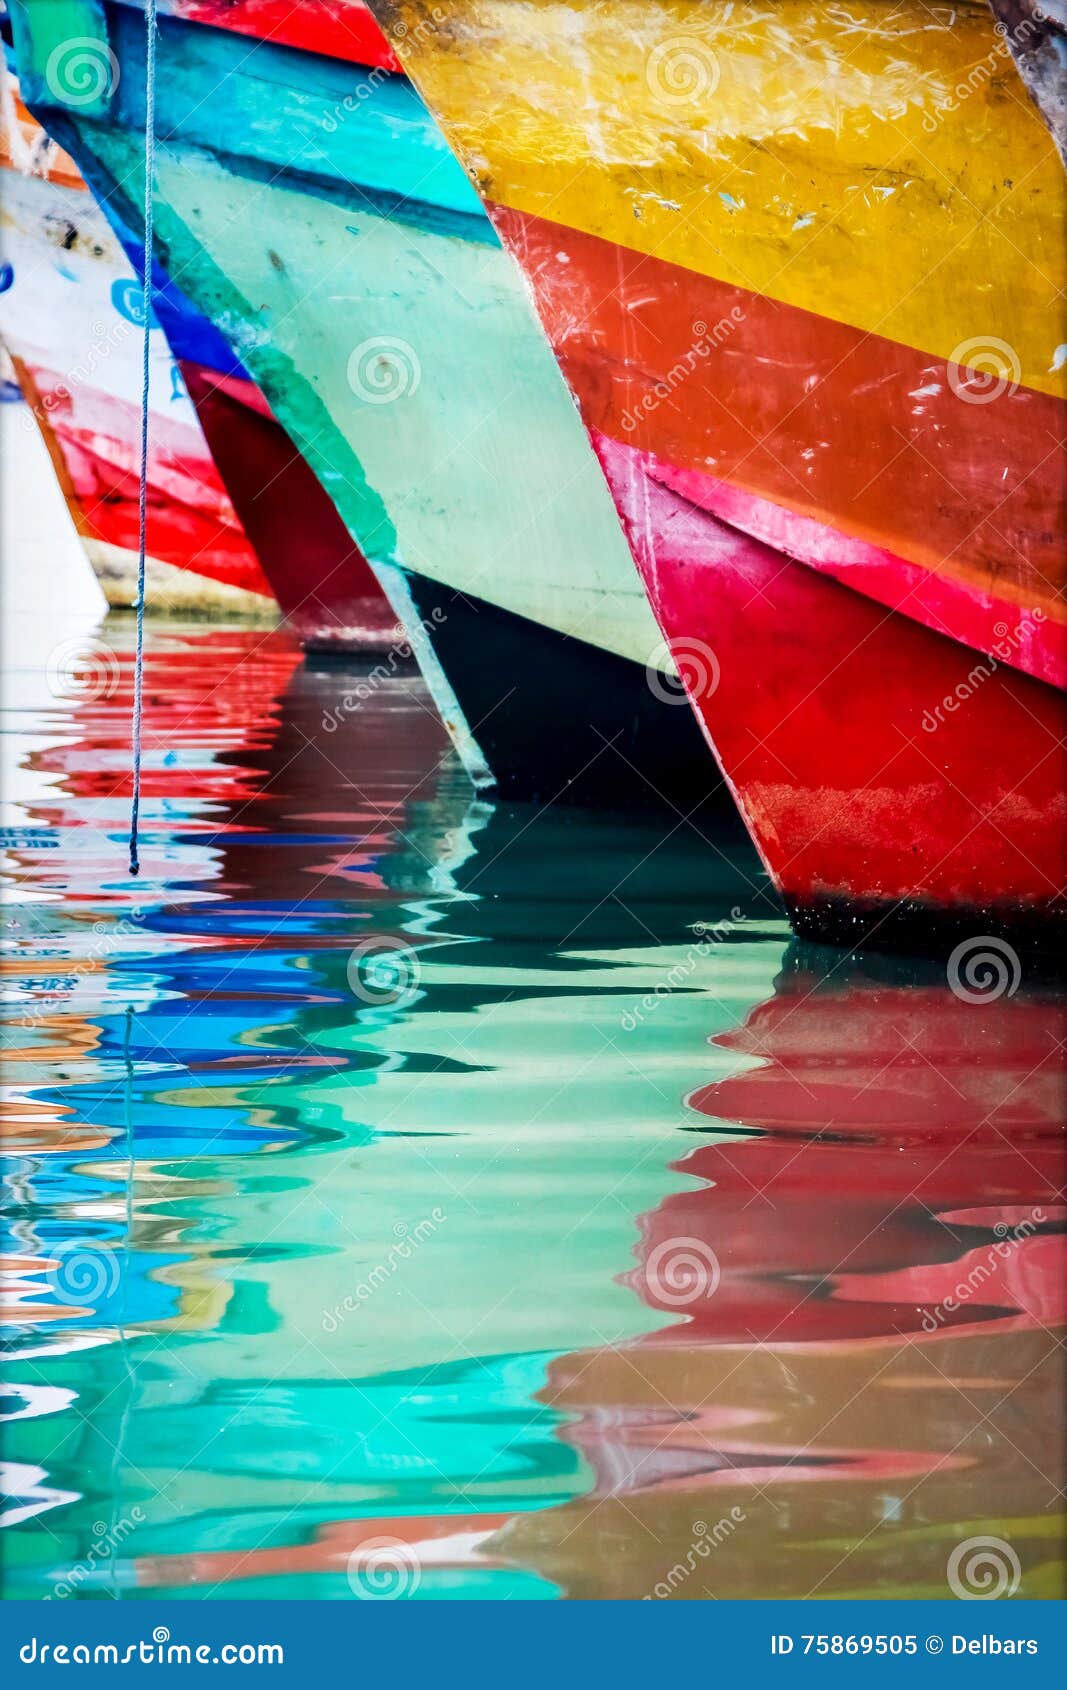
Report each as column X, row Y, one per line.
column 859, row 1368
column 409, row 1195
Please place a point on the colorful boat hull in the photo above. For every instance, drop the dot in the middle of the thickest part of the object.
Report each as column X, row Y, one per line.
column 326, row 589
column 802, row 270
column 38, row 540
column 300, row 546
column 330, row 232
column 897, row 784
column 342, row 29
column 70, row 316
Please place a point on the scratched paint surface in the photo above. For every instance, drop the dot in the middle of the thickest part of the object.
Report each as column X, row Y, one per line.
column 818, row 154
column 377, row 311
column 775, row 244
column 572, row 1250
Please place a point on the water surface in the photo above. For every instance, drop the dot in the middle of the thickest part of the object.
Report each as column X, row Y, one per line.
column 408, row 1195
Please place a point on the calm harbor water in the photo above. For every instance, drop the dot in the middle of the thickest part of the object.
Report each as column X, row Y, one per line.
column 408, row 1195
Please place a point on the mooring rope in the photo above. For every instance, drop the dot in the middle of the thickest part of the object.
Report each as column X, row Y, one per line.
column 118, row 1453
column 142, row 498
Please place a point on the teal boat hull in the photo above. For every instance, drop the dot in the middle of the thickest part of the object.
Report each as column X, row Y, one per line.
column 316, row 216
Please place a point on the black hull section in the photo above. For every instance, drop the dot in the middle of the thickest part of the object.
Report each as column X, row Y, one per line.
column 559, row 719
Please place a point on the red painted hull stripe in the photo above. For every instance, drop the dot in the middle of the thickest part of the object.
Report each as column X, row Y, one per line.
column 875, row 439
column 874, row 760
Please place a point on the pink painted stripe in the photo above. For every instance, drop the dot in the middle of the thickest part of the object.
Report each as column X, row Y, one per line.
column 1022, row 637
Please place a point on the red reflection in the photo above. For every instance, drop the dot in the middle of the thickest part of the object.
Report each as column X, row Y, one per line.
column 908, row 1177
